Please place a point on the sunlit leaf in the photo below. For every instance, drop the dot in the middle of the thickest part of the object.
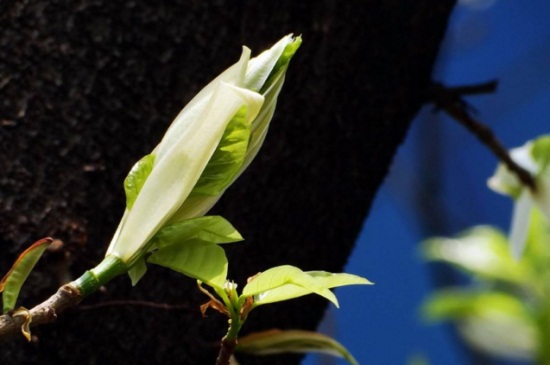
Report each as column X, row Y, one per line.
column 537, row 251
column 195, row 258
column 270, row 89
column 279, row 283
column 288, row 282
column 282, row 63
column 333, row 280
column 227, row 159
column 482, row 251
column 213, row 229
column 11, row 283
column 291, row 291
column 456, row 304
column 296, row 341
column 137, row 271
column 208, row 229
column 494, row 322
column 261, row 67
column 500, row 335
column 136, row 178
column 520, row 223
column 279, row 276
column 534, row 157
column 541, row 151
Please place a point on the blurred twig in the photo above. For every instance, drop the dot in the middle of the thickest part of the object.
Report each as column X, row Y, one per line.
column 449, row 99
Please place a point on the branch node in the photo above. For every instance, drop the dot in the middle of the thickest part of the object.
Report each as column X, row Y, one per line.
column 450, row 100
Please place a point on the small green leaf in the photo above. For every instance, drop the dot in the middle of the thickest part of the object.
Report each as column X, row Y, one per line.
column 227, row 158
column 482, row 251
column 276, row 277
column 278, row 342
column 332, row 280
column 137, row 271
column 291, row 291
column 271, row 88
column 282, row 278
column 136, row 178
column 213, row 229
column 195, row 258
column 494, row 322
column 541, row 151
column 501, row 335
column 456, row 304
column 537, row 248
column 11, row 283
column 282, row 63
column 288, row 282
column 262, row 67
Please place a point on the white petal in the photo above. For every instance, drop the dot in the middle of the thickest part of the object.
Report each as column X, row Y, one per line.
column 542, row 195
column 506, row 182
column 523, row 157
column 520, row 223
column 195, row 108
column 260, row 67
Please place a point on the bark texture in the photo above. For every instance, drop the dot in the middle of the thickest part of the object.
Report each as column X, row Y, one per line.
column 88, row 87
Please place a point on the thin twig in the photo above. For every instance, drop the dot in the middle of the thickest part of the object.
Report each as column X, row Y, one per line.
column 140, row 303
column 67, row 296
column 483, row 88
column 449, row 100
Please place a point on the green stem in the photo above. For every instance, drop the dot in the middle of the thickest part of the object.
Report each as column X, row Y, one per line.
column 108, row 269
column 229, row 341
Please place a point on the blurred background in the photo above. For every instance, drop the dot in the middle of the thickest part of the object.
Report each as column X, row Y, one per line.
column 437, row 186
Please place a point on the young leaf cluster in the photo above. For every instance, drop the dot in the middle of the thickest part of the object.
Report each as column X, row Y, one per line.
column 276, row 285
column 534, row 157
column 505, row 312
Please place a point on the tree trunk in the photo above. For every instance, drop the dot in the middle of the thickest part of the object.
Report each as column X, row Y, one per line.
column 88, row 87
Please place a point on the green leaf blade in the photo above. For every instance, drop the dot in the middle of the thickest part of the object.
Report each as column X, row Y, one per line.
column 227, row 158
column 137, row 271
column 291, row 291
column 277, row 277
column 136, row 178
column 214, row 229
column 497, row 323
column 292, row 341
column 197, row 259
column 482, row 251
column 333, row 280
column 288, row 282
column 541, row 151
column 282, row 63
column 11, row 283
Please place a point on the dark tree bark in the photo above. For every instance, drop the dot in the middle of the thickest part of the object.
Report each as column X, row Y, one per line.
column 88, row 87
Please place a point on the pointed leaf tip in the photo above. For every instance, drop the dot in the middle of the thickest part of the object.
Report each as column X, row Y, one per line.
column 11, row 283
